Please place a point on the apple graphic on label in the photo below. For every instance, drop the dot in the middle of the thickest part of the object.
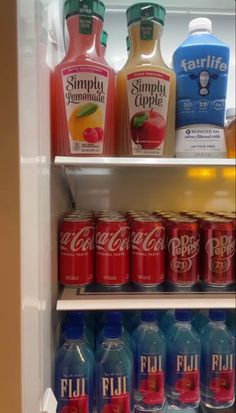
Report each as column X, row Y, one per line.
column 148, row 129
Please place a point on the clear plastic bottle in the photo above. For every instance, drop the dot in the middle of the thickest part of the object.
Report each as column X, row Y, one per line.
column 113, row 372
column 183, row 363
column 230, row 132
column 145, row 106
column 149, row 362
column 217, row 363
column 74, row 373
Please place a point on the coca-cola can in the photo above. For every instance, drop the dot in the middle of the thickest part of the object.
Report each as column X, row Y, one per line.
column 183, row 247
column 76, row 251
column 112, row 251
column 218, row 251
column 147, row 251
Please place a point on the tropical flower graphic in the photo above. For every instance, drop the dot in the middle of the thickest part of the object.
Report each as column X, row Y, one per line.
column 188, row 387
column 222, row 386
column 78, row 405
column 118, row 404
column 152, row 388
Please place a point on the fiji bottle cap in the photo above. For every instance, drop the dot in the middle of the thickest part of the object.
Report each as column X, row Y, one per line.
column 112, row 331
column 199, row 24
column 183, row 315
column 148, row 316
column 217, row 315
column 74, row 331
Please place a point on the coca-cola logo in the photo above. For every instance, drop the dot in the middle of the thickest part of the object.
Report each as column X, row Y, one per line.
column 152, row 241
column 117, row 241
column 82, row 240
column 181, row 265
column 223, row 246
column 186, row 246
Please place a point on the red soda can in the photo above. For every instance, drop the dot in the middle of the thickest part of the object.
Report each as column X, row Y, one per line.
column 147, row 251
column 218, row 251
column 183, row 246
column 112, row 251
column 76, row 251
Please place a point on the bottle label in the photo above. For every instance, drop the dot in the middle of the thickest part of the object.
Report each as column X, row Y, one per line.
column 200, row 141
column 73, row 395
column 221, row 377
column 184, row 377
column 115, row 394
column 85, row 96
column 150, row 380
column 202, row 73
column 148, row 98
column 85, row 16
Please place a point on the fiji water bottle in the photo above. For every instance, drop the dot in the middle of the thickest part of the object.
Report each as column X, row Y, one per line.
column 199, row 320
column 149, row 362
column 183, row 363
column 217, row 363
column 201, row 64
column 113, row 372
column 74, row 373
column 167, row 320
column 115, row 316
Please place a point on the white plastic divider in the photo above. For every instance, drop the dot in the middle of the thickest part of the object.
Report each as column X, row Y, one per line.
column 71, row 300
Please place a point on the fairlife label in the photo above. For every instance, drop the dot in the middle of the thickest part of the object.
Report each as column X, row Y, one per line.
column 200, row 141
column 85, row 96
column 148, row 98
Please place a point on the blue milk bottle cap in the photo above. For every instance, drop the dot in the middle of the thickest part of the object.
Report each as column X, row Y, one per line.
column 183, row 315
column 148, row 315
column 217, row 315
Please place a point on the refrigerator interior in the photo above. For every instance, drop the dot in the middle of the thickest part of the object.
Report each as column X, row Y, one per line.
column 47, row 189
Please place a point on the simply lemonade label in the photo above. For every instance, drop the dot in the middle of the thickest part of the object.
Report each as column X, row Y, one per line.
column 148, row 98
column 85, row 95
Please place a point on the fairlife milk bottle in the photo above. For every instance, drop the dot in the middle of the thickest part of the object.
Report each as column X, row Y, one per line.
column 201, row 64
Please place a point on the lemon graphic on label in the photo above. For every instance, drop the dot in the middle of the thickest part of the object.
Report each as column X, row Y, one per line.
column 84, row 120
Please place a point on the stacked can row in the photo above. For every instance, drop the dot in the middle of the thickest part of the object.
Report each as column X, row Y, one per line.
column 147, row 248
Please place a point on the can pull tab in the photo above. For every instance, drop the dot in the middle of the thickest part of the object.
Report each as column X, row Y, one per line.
column 49, row 403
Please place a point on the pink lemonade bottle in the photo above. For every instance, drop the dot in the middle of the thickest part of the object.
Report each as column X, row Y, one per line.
column 83, row 87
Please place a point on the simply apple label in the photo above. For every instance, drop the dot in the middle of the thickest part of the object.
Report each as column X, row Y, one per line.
column 148, row 98
column 85, row 96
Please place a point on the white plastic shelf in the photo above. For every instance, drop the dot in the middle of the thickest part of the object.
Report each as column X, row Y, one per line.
column 73, row 299
column 140, row 162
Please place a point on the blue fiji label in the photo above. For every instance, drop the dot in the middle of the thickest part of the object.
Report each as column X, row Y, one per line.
column 115, row 395
column 184, row 377
column 220, row 376
column 150, row 380
column 202, row 74
column 72, row 395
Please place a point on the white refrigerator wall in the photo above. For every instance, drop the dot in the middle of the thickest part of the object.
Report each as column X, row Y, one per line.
column 44, row 194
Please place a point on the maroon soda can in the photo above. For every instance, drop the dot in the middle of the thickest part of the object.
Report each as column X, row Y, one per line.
column 112, row 251
column 218, row 251
column 147, row 251
column 76, row 251
column 183, row 246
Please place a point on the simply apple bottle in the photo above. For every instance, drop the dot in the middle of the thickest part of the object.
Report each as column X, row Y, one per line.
column 145, row 106
column 83, row 87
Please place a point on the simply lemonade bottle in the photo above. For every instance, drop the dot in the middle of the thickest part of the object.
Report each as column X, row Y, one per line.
column 83, row 86
column 145, row 107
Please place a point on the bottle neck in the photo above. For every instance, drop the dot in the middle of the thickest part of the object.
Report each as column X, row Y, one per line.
column 147, row 49
column 83, row 45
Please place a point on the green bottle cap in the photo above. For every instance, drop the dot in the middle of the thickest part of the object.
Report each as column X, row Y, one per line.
column 104, row 37
column 87, row 8
column 128, row 43
column 145, row 11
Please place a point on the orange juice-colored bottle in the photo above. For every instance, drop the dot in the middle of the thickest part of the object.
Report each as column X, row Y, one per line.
column 83, row 87
column 145, row 88
column 230, row 132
